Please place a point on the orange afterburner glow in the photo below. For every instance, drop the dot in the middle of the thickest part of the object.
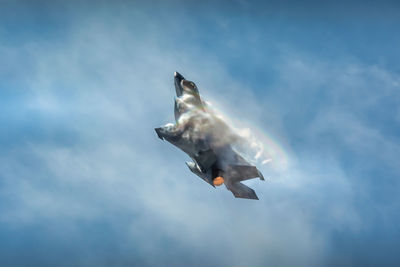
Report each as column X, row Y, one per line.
column 218, row 181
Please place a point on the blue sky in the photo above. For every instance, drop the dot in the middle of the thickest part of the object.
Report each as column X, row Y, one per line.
column 84, row 180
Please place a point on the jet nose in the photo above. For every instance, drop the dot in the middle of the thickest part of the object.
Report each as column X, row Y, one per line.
column 178, row 88
column 178, row 75
column 159, row 133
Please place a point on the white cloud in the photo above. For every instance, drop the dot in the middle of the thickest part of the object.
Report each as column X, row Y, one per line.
column 110, row 88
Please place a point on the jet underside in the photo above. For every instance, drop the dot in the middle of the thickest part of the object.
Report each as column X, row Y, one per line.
column 195, row 133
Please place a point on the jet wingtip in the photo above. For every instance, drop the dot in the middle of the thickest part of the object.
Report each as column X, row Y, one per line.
column 261, row 176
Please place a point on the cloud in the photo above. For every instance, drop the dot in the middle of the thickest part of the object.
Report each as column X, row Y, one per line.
column 82, row 163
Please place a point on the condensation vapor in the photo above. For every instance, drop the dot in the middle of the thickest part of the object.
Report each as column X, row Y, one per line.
column 200, row 123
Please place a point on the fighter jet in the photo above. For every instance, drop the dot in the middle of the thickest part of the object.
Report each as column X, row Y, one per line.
column 197, row 132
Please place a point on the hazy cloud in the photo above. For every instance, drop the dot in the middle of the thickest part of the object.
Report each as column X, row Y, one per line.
column 82, row 166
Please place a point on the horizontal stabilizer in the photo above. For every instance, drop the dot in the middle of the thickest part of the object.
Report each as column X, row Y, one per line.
column 240, row 190
column 239, row 173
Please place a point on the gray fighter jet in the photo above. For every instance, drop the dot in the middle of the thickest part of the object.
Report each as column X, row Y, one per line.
column 215, row 162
